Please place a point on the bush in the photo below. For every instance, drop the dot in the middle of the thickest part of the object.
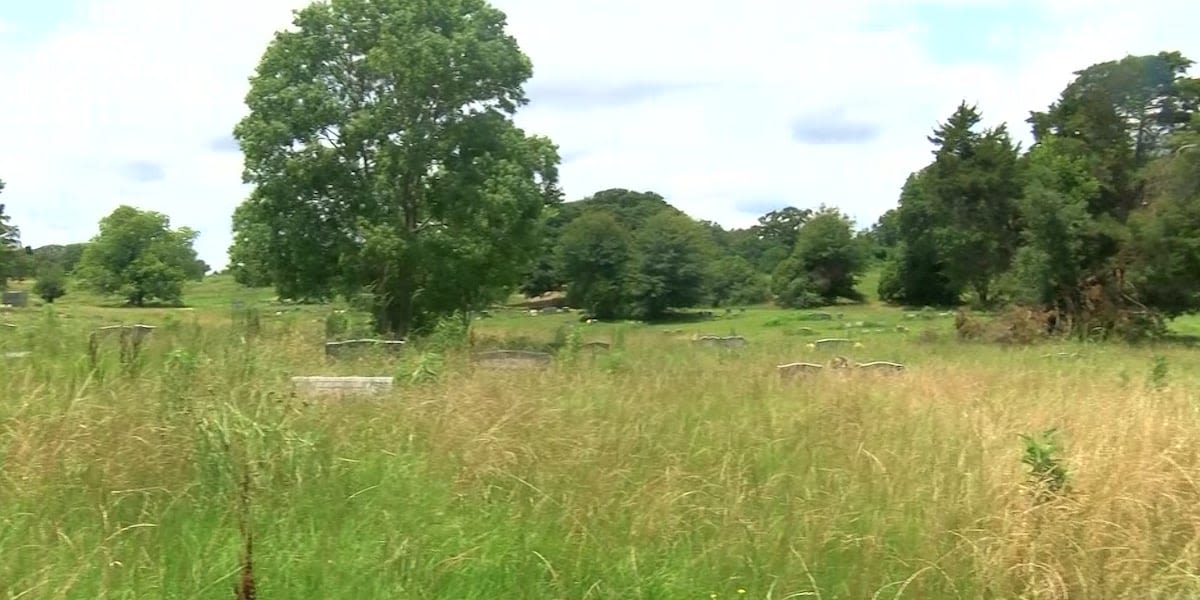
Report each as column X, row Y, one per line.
column 51, row 283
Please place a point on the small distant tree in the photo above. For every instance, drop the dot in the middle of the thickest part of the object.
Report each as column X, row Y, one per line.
column 824, row 265
column 51, row 283
column 594, row 255
column 670, row 269
column 10, row 244
column 23, row 265
column 139, row 257
column 733, row 281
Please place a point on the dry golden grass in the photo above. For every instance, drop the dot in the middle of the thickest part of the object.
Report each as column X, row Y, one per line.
column 661, row 470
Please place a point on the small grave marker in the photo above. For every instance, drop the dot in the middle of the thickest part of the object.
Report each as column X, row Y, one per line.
column 798, row 369
column 881, row 366
column 512, row 359
column 132, row 337
column 343, row 385
column 341, row 348
column 732, row 341
column 16, row 298
column 831, row 343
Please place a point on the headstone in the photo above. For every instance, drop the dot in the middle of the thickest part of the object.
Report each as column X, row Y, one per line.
column 512, row 359
column 16, row 298
column 881, row 366
column 732, row 341
column 798, row 369
column 25, row 354
column 818, row 316
column 343, row 385
column 137, row 331
column 132, row 337
column 831, row 343
column 7, row 327
column 340, row 349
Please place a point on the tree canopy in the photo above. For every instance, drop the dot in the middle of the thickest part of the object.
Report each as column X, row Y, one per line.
column 1095, row 223
column 10, row 245
column 137, row 256
column 384, row 159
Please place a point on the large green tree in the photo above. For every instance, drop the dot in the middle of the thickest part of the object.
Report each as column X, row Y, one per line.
column 1115, row 253
column 825, row 264
column 384, row 158
column 958, row 218
column 671, row 266
column 594, row 254
column 138, row 256
column 734, row 281
column 915, row 273
column 631, row 209
column 976, row 184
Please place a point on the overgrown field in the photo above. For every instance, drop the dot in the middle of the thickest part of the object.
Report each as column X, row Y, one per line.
column 660, row 469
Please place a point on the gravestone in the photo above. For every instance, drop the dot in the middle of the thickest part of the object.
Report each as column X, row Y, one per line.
column 25, row 354
column 344, row 348
column 732, row 341
column 131, row 338
column 880, row 366
column 798, row 369
column 512, row 359
column 16, row 298
column 341, row 386
column 831, row 343
column 596, row 346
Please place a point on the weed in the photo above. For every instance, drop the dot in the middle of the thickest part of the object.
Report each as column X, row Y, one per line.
column 1158, row 374
column 1047, row 473
column 429, row 368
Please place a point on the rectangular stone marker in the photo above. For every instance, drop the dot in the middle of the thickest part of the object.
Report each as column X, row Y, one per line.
column 15, row 298
column 512, row 359
column 343, row 385
column 832, row 343
column 881, row 366
column 798, row 369
column 345, row 347
column 732, row 341
column 17, row 354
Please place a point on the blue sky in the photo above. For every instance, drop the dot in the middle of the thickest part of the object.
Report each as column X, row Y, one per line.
column 727, row 109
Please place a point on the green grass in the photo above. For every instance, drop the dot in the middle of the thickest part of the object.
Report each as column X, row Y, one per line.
column 660, row 470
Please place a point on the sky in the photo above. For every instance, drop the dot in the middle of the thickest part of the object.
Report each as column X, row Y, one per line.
column 727, row 109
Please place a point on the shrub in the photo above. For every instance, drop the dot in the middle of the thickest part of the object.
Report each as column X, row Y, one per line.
column 51, row 283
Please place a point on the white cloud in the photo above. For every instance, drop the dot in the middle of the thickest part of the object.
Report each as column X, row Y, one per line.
column 129, row 82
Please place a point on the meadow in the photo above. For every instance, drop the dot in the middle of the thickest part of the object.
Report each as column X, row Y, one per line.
column 659, row 469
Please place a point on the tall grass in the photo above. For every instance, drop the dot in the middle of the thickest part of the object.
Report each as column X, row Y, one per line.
column 661, row 470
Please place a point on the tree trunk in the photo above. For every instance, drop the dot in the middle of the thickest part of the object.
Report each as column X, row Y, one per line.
column 394, row 312
column 983, row 290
